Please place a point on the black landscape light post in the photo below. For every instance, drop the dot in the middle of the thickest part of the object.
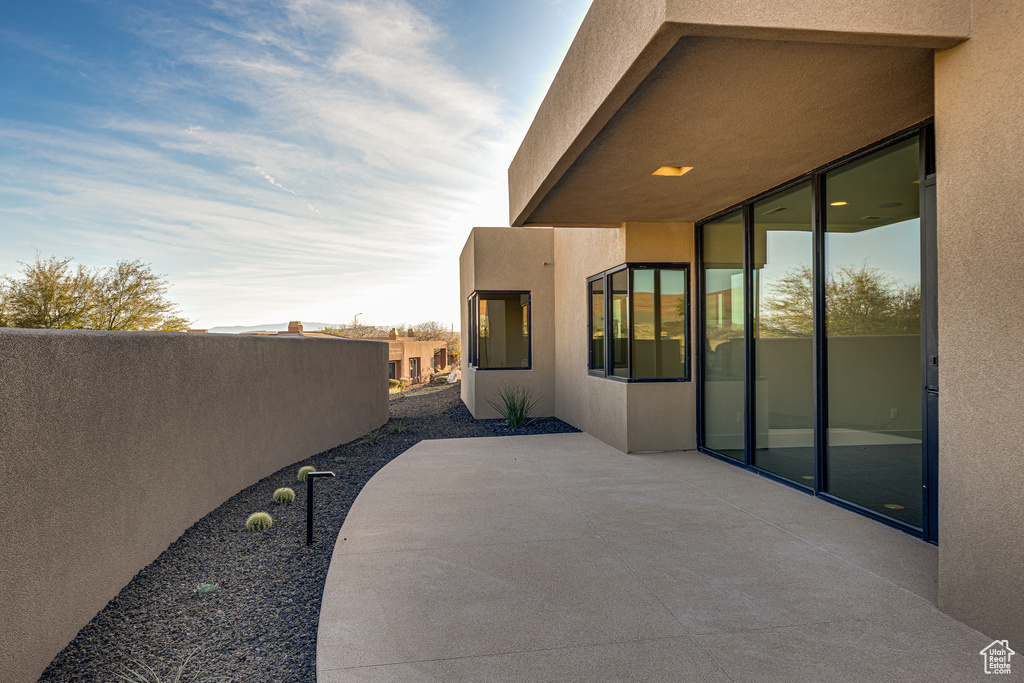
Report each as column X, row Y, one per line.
column 309, row 502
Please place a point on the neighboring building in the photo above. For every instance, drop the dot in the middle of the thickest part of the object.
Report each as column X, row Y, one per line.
column 294, row 329
column 413, row 359
column 408, row 357
column 768, row 218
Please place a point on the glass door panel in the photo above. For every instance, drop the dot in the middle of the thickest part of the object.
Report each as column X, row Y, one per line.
column 873, row 332
column 783, row 318
column 723, row 335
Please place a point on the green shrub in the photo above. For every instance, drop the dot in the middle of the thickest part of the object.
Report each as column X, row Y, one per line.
column 394, row 383
column 258, row 521
column 396, row 427
column 372, row 438
column 514, row 404
column 303, row 471
column 283, row 496
column 145, row 674
column 205, row 588
column 403, row 383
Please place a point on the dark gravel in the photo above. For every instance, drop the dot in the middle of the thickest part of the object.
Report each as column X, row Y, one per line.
column 260, row 624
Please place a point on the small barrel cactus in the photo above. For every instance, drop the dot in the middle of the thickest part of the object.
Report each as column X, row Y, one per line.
column 258, row 521
column 304, row 471
column 283, row 496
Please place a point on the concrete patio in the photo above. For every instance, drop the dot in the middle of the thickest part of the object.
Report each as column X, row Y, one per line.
column 558, row 558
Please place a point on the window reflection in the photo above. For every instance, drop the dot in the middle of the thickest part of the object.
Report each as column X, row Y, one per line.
column 597, row 324
column 659, row 323
column 783, row 319
column 503, row 330
column 723, row 335
column 873, row 327
column 620, row 323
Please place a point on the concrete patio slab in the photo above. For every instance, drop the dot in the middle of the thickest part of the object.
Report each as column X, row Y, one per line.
column 665, row 660
column 558, row 558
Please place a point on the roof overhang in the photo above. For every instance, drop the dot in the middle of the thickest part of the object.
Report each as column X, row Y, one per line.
column 748, row 94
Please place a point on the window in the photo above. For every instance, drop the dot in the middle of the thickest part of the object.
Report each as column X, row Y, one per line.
column 499, row 330
column 596, row 288
column 392, row 370
column 639, row 322
column 414, row 369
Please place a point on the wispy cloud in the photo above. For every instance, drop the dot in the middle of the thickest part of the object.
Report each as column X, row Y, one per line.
column 272, row 162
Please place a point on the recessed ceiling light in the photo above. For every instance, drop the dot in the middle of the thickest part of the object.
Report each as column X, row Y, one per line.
column 838, row 204
column 890, row 205
column 673, row 170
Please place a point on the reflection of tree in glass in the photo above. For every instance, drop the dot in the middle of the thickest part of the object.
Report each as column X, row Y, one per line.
column 858, row 301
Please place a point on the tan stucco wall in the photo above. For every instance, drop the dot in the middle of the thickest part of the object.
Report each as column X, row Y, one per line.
column 979, row 97
column 621, row 41
column 594, row 404
column 114, row 443
column 497, row 259
column 630, row 417
column 467, row 284
column 663, row 417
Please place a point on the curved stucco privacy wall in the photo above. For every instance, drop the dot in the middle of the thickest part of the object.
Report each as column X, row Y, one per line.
column 114, row 443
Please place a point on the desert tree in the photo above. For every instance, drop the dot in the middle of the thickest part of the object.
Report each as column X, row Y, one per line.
column 434, row 330
column 859, row 300
column 53, row 294
column 130, row 296
column 50, row 294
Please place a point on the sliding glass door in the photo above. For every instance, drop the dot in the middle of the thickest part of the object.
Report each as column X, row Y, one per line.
column 873, row 328
column 811, row 366
column 723, row 285
column 783, row 330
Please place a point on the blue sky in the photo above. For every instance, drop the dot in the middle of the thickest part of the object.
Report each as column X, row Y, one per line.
column 292, row 159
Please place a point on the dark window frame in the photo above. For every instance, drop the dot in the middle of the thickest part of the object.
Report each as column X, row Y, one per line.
column 608, row 370
column 474, row 328
column 924, row 130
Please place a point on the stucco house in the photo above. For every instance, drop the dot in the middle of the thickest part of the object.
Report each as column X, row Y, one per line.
column 749, row 229
column 413, row 358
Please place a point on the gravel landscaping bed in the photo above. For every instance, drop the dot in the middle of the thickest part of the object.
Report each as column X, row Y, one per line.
column 260, row 623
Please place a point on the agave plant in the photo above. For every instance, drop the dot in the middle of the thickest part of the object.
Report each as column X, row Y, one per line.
column 371, row 439
column 146, row 674
column 514, row 404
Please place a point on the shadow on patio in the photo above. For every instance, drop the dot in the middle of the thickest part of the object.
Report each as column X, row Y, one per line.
column 558, row 558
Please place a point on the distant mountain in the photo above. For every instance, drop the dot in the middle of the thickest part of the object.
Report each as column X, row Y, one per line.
column 270, row 327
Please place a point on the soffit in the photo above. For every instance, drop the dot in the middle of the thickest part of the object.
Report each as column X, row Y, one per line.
column 747, row 115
